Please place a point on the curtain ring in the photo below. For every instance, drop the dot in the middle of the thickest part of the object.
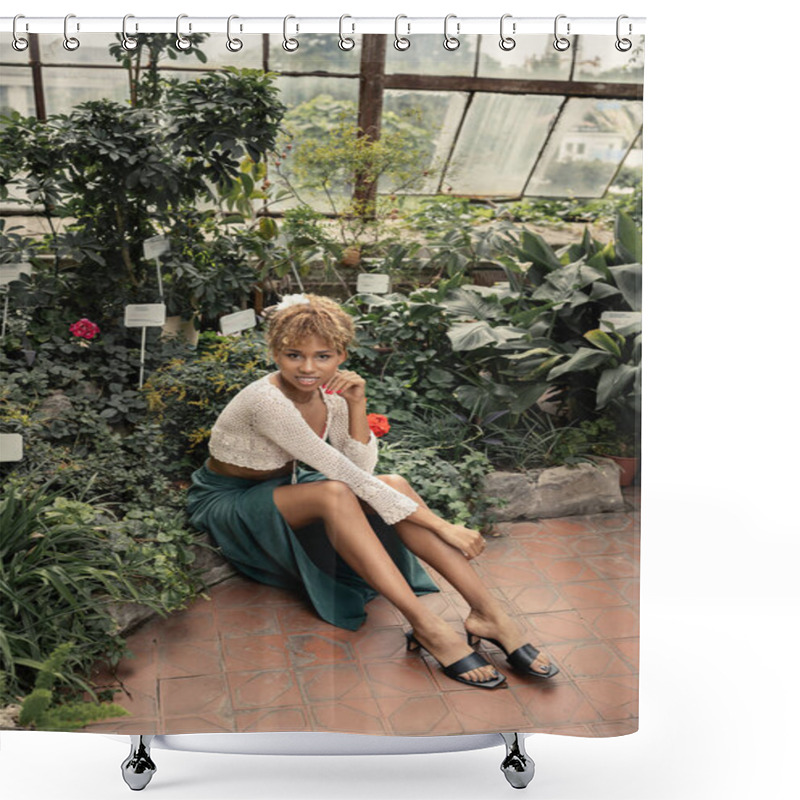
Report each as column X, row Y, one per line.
column 289, row 45
column 559, row 42
column 401, row 42
column 623, row 45
column 233, row 45
column 181, row 42
column 451, row 43
column 70, row 42
column 19, row 43
column 506, row 42
column 128, row 42
column 345, row 42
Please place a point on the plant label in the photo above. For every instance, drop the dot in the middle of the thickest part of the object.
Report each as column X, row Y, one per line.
column 145, row 315
column 13, row 272
column 10, row 447
column 155, row 246
column 238, row 321
column 373, row 283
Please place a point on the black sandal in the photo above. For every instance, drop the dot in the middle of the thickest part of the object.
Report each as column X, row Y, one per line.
column 520, row 659
column 457, row 668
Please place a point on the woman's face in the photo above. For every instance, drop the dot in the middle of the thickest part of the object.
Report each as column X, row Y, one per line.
column 308, row 364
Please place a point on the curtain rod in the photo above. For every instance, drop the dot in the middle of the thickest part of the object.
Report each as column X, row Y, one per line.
column 347, row 25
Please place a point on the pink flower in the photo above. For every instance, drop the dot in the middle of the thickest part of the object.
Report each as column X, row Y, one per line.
column 84, row 328
column 378, row 424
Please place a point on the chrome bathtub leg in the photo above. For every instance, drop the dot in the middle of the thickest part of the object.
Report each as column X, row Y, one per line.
column 517, row 766
column 138, row 768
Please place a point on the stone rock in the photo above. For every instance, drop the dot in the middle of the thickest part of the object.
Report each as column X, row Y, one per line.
column 53, row 406
column 214, row 569
column 588, row 488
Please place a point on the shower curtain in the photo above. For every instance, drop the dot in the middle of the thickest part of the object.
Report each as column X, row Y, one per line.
column 475, row 204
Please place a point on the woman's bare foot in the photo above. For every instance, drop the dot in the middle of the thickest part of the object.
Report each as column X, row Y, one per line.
column 499, row 626
column 447, row 647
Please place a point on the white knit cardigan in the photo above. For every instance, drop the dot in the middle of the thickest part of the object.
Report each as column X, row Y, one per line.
column 262, row 429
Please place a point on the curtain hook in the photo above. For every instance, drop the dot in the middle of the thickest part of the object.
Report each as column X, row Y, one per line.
column 181, row 42
column 401, row 42
column 19, row 43
column 506, row 42
column 128, row 42
column 451, row 43
column 345, row 42
column 623, row 45
column 559, row 42
column 289, row 45
column 233, row 45
column 70, row 42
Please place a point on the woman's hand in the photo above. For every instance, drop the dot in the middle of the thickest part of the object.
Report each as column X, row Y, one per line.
column 468, row 541
column 350, row 385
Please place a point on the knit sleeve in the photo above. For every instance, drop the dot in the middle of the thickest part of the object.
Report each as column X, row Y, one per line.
column 280, row 421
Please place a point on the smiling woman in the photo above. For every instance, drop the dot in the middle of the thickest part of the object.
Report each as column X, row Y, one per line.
column 336, row 531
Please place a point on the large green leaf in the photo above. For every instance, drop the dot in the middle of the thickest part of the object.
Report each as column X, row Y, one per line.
column 605, row 342
column 471, row 335
column 614, row 382
column 624, row 323
column 583, row 358
column 467, row 303
column 628, row 278
column 629, row 238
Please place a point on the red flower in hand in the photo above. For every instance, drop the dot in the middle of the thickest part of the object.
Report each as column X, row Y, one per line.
column 378, row 424
column 84, row 328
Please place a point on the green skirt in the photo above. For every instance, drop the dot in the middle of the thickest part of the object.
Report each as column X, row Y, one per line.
column 241, row 517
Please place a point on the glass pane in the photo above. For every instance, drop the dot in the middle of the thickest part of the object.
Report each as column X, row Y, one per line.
column 599, row 60
column 630, row 173
column 251, row 54
column 66, row 87
column 590, row 140
column 299, row 89
column 534, row 57
column 16, row 91
column 93, row 49
column 318, row 52
column 11, row 56
column 436, row 116
column 499, row 143
column 428, row 56
column 315, row 105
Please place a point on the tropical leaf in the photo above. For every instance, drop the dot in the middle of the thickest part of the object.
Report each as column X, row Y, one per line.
column 583, row 358
column 614, row 382
column 604, row 341
column 628, row 278
column 624, row 323
column 629, row 238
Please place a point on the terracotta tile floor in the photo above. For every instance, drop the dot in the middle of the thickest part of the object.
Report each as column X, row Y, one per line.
column 255, row 658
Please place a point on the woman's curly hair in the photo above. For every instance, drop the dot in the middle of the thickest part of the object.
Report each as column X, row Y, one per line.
column 320, row 316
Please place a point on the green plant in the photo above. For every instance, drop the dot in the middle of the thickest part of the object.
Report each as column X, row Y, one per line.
column 123, row 174
column 37, row 709
column 64, row 561
column 452, row 490
column 186, row 394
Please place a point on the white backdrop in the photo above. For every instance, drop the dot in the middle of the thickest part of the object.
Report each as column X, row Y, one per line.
column 719, row 700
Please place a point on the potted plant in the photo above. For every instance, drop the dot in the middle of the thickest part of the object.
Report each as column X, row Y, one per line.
column 610, row 438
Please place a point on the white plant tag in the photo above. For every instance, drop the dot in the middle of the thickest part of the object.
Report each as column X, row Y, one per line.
column 238, row 321
column 10, row 447
column 13, row 272
column 155, row 246
column 373, row 283
column 145, row 315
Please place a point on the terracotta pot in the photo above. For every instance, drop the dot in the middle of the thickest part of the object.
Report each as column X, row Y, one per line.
column 628, row 467
column 351, row 257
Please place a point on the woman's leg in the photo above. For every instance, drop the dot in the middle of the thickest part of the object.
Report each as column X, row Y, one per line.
column 353, row 538
column 487, row 616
